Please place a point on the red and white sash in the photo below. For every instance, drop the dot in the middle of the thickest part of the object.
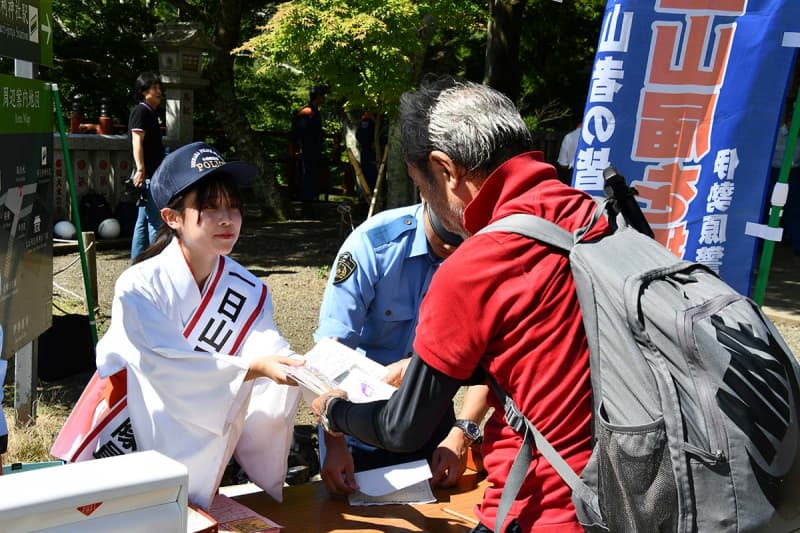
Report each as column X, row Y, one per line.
column 100, row 425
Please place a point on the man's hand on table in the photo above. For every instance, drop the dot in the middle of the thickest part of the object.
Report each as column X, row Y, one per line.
column 337, row 470
column 449, row 460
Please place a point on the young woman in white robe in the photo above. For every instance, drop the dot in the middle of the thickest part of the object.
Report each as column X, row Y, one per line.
column 195, row 332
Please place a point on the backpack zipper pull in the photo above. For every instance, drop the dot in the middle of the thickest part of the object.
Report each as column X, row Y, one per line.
column 713, row 458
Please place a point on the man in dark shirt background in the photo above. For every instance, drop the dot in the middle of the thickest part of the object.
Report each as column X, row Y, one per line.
column 307, row 133
column 148, row 151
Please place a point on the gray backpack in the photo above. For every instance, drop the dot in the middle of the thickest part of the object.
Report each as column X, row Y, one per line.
column 695, row 394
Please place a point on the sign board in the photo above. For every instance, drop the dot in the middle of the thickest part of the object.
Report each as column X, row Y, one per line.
column 26, row 30
column 685, row 101
column 26, row 210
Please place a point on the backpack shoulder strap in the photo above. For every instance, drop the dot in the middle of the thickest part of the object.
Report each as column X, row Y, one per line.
column 519, row 469
column 533, row 227
column 543, row 230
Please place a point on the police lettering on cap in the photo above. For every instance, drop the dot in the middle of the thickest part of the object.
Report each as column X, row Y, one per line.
column 189, row 164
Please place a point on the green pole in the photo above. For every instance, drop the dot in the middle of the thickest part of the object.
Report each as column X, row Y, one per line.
column 775, row 211
column 75, row 216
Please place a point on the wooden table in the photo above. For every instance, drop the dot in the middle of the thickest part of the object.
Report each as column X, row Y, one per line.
column 308, row 508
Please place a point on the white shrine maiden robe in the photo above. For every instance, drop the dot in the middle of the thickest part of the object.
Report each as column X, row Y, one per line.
column 194, row 406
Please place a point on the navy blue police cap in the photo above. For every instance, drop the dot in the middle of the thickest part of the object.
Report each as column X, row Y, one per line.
column 190, row 163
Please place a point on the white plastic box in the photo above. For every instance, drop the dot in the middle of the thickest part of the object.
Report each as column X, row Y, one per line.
column 144, row 491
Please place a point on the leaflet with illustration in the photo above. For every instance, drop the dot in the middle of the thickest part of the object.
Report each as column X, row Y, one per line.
column 332, row 365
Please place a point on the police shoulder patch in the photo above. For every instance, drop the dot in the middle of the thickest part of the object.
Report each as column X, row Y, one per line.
column 345, row 266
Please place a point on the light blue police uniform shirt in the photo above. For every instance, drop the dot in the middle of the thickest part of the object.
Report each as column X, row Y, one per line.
column 377, row 284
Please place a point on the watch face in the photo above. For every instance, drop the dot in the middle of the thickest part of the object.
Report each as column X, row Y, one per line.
column 470, row 428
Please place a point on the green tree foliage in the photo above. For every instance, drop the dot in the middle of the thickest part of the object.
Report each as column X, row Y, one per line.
column 557, row 48
column 99, row 51
column 367, row 52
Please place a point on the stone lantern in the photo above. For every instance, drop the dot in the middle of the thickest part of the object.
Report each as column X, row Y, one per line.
column 181, row 46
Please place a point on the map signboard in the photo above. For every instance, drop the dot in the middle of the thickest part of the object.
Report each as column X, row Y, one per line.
column 26, row 30
column 26, row 210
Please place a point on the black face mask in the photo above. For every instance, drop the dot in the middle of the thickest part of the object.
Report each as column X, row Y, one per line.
column 448, row 237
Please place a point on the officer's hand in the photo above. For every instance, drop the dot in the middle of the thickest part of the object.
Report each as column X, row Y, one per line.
column 337, row 470
column 271, row 366
column 396, row 371
column 449, row 460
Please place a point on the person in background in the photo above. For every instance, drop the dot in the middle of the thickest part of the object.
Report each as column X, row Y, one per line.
column 365, row 135
column 307, row 134
column 566, row 155
column 148, row 152
column 371, row 304
column 193, row 340
column 502, row 304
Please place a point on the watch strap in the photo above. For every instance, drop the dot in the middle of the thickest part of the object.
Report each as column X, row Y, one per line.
column 325, row 419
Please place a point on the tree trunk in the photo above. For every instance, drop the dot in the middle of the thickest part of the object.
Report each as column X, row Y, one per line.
column 232, row 118
column 502, row 71
column 400, row 190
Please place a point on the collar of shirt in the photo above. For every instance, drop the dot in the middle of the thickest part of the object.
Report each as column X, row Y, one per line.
column 510, row 180
column 187, row 296
column 420, row 244
column 147, row 106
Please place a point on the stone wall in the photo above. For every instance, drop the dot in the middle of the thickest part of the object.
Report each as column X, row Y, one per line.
column 100, row 163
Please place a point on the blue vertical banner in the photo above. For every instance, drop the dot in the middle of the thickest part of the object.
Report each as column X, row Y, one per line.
column 685, row 101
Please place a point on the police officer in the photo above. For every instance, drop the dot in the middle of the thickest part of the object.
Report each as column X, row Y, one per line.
column 370, row 304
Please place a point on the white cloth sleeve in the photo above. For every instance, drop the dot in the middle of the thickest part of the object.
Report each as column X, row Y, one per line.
column 153, row 348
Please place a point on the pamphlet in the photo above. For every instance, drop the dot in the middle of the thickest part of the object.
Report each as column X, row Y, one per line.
column 414, row 494
column 405, row 483
column 332, row 365
column 233, row 517
column 198, row 521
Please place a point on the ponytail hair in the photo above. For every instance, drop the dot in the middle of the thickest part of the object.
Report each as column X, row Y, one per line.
column 163, row 238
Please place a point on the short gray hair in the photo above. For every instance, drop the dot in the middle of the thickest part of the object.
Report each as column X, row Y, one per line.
column 475, row 125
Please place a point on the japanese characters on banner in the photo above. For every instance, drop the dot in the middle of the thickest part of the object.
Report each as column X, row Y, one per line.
column 685, row 101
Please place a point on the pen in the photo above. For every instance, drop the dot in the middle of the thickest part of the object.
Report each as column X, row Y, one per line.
column 461, row 516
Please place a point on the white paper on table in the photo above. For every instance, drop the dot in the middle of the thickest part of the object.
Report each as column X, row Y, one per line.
column 416, row 493
column 382, row 481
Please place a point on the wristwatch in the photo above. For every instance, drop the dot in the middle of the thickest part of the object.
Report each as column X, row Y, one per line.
column 323, row 416
column 471, row 430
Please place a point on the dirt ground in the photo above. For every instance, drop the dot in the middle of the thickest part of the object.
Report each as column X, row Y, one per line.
column 292, row 257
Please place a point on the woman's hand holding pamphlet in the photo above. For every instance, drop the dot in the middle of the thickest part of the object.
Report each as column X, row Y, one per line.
column 331, row 365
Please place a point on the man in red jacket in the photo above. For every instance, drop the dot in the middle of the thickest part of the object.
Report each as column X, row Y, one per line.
column 502, row 304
